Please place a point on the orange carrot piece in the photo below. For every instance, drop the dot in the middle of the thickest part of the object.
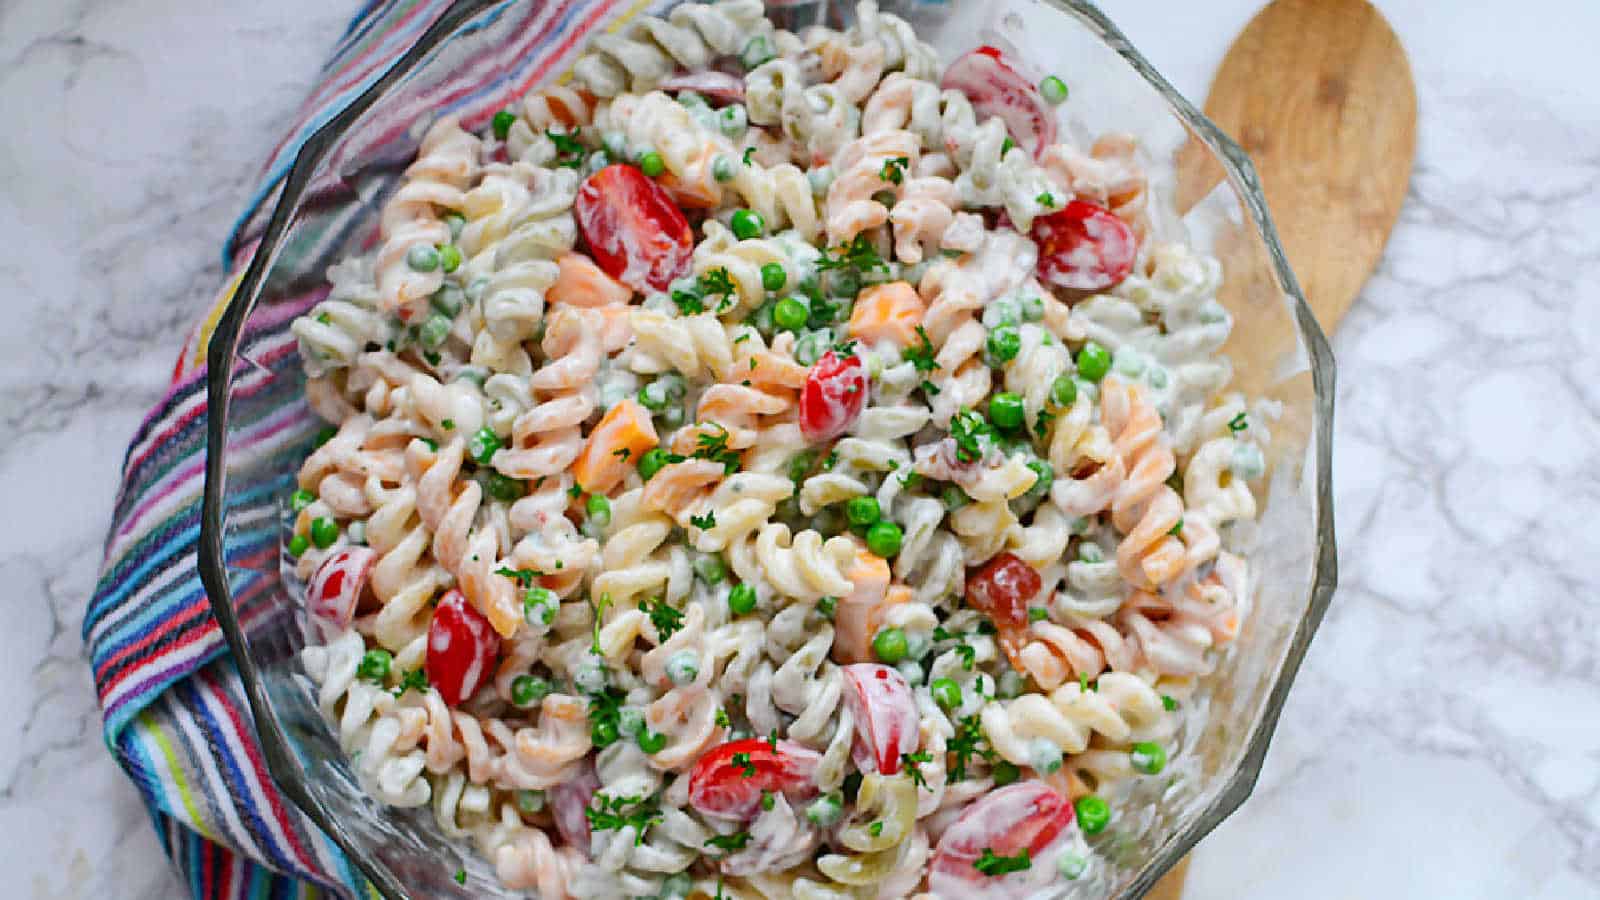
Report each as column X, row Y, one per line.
column 602, row 464
column 887, row 312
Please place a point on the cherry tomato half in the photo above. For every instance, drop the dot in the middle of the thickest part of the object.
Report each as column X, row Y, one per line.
column 833, row 397
column 727, row 782
column 1084, row 247
column 634, row 230
column 997, row 88
column 885, row 713
column 462, row 647
column 1001, row 589
column 569, row 802
column 335, row 590
column 1027, row 815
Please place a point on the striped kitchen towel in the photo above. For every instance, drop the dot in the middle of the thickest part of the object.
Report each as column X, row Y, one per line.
column 175, row 714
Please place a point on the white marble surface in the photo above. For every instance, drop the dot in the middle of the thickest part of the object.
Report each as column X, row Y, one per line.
column 1444, row 737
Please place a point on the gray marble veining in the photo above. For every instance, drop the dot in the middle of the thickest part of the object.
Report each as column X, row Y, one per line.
column 1443, row 739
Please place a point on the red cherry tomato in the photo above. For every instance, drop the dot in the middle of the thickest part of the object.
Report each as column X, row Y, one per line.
column 833, row 397
column 462, row 647
column 336, row 588
column 716, row 86
column 1026, row 815
column 569, row 801
column 885, row 712
column 1001, row 590
column 1084, row 247
column 634, row 230
column 997, row 88
column 730, row 788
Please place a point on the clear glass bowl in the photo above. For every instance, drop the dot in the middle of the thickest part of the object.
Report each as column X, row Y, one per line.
column 259, row 427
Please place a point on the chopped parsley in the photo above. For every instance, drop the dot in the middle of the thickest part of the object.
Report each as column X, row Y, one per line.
column 622, row 453
column 875, row 829
column 845, row 349
column 748, row 152
column 1042, row 427
column 613, row 814
column 688, row 302
column 575, row 491
column 913, row 763
column 664, row 616
column 415, row 680
column 772, row 740
column 894, row 169
column 448, row 424
column 1085, row 685
column 722, row 718
column 605, row 711
column 858, row 254
column 523, row 577
column 1046, row 201
column 1168, row 704
column 967, row 652
column 705, row 522
column 1177, row 529
column 730, row 842
column 717, row 283
column 1238, row 423
column 967, row 743
column 599, row 610
column 568, row 148
column 460, row 876
column 747, row 769
column 990, row 864
column 714, row 446
column 929, row 388
column 971, row 432
column 921, row 356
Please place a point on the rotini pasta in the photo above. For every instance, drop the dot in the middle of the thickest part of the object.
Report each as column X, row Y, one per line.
column 731, row 494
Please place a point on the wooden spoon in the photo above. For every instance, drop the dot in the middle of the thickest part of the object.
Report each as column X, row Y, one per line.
column 1319, row 93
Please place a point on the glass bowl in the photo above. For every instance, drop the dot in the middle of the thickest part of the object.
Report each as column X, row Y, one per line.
column 259, row 427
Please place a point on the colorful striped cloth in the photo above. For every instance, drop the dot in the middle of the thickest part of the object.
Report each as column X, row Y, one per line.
column 175, row 714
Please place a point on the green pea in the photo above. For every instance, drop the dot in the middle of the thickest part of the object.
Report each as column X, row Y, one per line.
column 767, row 800
column 526, row 690
column 1094, row 361
column 884, row 538
column 301, row 499
column 683, row 667
column 483, row 444
column 375, row 665
column 1006, row 146
column 953, row 496
column 615, row 144
column 811, row 346
column 1044, row 755
column 1010, row 685
column 747, row 224
column 742, row 599
column 722, row 169
column 434, row 331
column 652, row 742
column 502, row 122
column 1005, row 410
column 530, row 802
column 1004, row 773
column 732, row 120
column 862, row 511
column 450, row 257
column 650, row 164
column 1091, row 553
column 1071, row 865
column 599, row 509
column 1248, row 463
column 1054, row 90
column 757, row 51
column 455, row 222
column 539, row 606
column 1043, row 477
column 677, row 887
column 946, row 693
column 790, row 314
column 801, row 465
column 1032, row 309
column 889, row 645
column 603, row 733
column 1064, row 391
column 821, row 178
column 1002, row 345
column 652, row 462
column 710, row 569
column 422, row 258
column 1001, row 312
column 630, row 721
column 773, row 278
column 826, row 810
column 324, row 531
column 826, row 606
column 448, row 300
column 1094, row 814
column 672, row 416
column 501, row 487
column 298, row 545
column 1038, row 614
column 1148, row 757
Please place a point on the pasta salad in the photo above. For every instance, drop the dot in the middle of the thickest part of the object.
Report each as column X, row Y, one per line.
column 771, row 465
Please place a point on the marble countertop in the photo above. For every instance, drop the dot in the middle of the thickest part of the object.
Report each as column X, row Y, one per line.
column 1443, row 739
